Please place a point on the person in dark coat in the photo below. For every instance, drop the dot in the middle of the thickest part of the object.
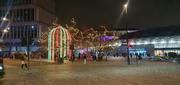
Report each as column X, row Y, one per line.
column 23, row 62
column 85, row 58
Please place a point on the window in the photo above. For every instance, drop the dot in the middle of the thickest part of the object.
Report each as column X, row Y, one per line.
column 32, row 14
column 25, row 14
column 14, row 2
column 21, row 15
column 3, row 13
column 10, row 14
column 15, row 15
column 22, row 31
column 18, row 2
column 1, row 3
column 0, row 12
column 28, row 14
column 0, row 33
column 11, row 31
column 15, row 32
column 29, row 1
column 34, row 31
column 26, row 2
column 18, row 15
column 21, row 2
column 19, row 32
column 26, row 31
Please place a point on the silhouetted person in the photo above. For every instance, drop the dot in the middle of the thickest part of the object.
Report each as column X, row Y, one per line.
column 140, row 57
column 94, row 57
column 79, row 56
column 23, row 62
column 85, row 58
column 117, row 54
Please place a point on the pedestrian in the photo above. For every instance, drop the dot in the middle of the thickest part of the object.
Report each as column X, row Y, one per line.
column 23, row 62
column 85, row 58
column 79, row 56
column 94, row 57
column 140, row 58
column 73, row 57
column 117, row 54
column 131, row 57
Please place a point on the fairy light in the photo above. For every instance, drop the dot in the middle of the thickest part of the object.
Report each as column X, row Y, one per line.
column 52, row 42
column 61, row 43
column 64, row 41
column 49, row 45
column 61, row 36
column 69, row 43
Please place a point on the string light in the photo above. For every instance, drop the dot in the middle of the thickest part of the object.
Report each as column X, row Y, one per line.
column 63, row 41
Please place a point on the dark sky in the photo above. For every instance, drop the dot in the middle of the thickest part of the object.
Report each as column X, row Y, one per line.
column 142, row 13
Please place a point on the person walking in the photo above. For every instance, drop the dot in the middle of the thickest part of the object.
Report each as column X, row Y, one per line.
column 23, row 62
column 140, row 58
column 85, row 58
column 73, row 58
column 94, row 57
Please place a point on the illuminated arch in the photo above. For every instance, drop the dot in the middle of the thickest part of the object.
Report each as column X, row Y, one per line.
column 59, row 41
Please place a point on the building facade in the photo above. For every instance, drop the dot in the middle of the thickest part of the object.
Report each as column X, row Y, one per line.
column 161, row 40
column 162, row 45
column 25, row 18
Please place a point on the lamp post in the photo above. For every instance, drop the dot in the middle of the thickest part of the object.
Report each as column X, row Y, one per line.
column 4, row 19
column 5, row 30
column 127, row 40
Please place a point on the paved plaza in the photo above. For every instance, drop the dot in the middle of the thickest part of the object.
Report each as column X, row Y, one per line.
column 99, row 73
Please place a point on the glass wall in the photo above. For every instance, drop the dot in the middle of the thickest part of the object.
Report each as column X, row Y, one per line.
column 158, row 42
column 19, row 15
column 14, row 2
column 18, row 32
column 162, row 45
column 166, row 51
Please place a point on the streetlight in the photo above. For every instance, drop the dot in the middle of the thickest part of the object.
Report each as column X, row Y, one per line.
column 8, row 28
column 5, row 30
column 4, row 19
column 126, row 5
column 127, row 40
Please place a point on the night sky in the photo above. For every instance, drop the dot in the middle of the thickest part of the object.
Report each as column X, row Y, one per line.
column 141, row 13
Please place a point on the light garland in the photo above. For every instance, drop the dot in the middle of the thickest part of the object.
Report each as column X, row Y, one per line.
column 60, row 38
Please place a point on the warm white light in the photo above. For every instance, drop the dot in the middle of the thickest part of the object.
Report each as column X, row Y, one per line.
column 117, row 43
column 8, row 28
column 125, row 6
column 1, row 67
column 5, row 30
column 4, row 19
